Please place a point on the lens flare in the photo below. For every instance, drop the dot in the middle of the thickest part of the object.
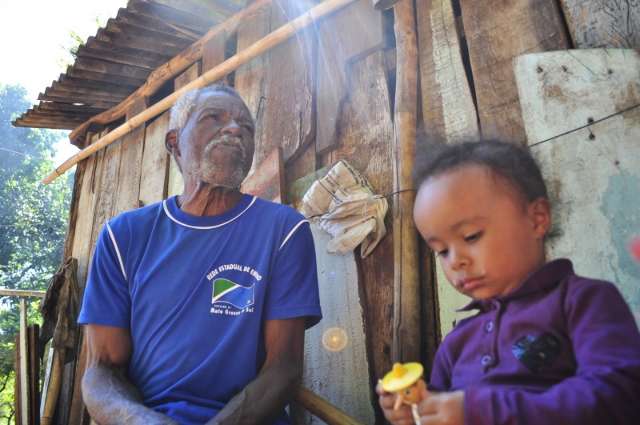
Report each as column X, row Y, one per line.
column 335, row 339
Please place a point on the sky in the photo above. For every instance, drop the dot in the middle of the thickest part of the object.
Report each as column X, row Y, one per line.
column 35, row 36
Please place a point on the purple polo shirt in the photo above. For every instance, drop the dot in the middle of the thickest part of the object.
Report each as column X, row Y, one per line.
column 561, row 349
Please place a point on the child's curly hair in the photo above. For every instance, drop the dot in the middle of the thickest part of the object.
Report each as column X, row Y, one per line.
column 512, row 163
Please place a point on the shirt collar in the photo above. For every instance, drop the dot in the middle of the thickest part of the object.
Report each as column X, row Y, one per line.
column 547, row 276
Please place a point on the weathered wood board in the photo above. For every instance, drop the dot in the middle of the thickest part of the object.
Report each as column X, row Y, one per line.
column 249, row 78
column 154, row 161
column 84, row 222
column 287, row 118
column 132, row 146
column 213, row 54
column 353, row 31
column 175, row 182
column 365, row 127
column 299, row 167
column 335, row 354
column 603, row 23
column 592, row 173
column 267, row 179
column 447, row 105
column 278, row 85
column 106, row 190
column 448, row 112
column 70, row 406
column 364, row 139
column 105, row 204
column 495, row 36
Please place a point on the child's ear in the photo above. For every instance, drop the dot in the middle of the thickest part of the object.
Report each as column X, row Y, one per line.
column 540, row 215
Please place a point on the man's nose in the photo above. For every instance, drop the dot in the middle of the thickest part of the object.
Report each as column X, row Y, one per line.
column 231, row 128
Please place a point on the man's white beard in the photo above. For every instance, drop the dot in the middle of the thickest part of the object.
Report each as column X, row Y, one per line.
column 229, row 174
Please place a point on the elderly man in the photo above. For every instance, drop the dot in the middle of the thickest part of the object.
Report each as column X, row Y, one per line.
column 195, row 307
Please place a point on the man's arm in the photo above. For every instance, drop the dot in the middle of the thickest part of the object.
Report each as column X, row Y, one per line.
column 264, row 398
column 109, row 396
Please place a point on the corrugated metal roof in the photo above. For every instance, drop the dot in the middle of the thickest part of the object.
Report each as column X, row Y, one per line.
column 118, row 59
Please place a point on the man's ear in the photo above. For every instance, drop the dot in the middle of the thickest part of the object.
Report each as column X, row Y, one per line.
column 171, row 142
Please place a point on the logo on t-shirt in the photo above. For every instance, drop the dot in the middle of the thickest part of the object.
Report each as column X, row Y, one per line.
column 228, row 296
column 228, row 292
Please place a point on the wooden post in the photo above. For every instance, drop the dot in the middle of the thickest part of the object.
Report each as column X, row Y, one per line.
column 24, row 372
column 406, row 302
column 34, row 374
column 17, row 390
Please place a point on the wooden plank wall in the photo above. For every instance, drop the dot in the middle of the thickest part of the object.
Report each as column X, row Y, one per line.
column 327, row 95
column 466, row 53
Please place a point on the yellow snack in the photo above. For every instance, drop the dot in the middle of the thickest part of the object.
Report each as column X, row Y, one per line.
column 404, row 380
column 402, row 376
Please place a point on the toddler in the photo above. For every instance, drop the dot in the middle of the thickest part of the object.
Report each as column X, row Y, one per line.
column 546, row 347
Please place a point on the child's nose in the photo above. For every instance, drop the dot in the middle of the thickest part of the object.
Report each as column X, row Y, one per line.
column 458, row 258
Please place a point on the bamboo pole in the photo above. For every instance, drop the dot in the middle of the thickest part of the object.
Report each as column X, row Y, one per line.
column 21, row 293
column 406, row 289
column 172, row 68
column 51, row 393
column 259, row 47
column 321, row 408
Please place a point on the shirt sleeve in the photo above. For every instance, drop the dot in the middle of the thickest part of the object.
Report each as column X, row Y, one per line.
column 606, row 385
column 293, row 286
column 106, row 298
column 441, row 371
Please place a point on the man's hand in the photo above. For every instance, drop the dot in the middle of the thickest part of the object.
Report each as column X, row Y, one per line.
column 109, row 396
column 264, row 398
column 442, row 409
column 401, row 416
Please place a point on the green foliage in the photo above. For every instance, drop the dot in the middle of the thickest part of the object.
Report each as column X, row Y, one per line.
column 7, row 384
column 33, row 219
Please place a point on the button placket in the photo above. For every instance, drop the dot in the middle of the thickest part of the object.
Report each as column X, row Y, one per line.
column 488, row 327
column 490, row 358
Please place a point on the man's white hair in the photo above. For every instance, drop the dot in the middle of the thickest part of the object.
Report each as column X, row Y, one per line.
column 186, row 103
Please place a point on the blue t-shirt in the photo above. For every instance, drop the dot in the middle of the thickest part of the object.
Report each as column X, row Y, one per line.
column 194, row 293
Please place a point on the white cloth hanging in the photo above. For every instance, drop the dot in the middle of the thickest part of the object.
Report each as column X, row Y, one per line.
column 344, row 205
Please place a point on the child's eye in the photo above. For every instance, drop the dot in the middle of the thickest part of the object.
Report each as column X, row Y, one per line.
column 473, row 237
column 442, row 253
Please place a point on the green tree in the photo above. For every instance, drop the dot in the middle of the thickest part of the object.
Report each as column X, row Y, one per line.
column 33, row 221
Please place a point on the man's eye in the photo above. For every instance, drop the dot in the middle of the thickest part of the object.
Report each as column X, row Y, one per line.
column 473, row 237
column 212, row 116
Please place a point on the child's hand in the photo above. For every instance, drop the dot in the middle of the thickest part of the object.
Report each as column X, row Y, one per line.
column 442, row 408
column 401, row 416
